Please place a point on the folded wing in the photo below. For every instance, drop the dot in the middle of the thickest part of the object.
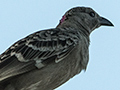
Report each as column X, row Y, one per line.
column 37, row 50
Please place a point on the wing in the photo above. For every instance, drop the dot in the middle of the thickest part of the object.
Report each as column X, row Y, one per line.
column 37, row 50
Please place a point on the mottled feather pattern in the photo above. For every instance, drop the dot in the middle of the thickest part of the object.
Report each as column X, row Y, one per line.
column 46, row 59
column 43, row 45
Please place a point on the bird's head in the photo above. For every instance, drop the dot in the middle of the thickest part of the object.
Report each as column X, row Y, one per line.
column 83, row 17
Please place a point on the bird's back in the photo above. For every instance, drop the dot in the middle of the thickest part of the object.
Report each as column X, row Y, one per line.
column 25, row 76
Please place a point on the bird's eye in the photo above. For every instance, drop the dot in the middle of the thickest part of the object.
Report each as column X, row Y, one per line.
column 92, row 14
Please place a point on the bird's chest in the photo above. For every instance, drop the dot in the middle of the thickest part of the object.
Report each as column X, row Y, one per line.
column 78, row 59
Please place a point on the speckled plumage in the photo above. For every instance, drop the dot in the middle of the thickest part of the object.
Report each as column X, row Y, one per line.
column 46, row 59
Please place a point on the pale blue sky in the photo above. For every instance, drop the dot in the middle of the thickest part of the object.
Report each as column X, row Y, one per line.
column 19, row 18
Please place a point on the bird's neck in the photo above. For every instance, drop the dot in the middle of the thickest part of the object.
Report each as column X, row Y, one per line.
column 76, row 26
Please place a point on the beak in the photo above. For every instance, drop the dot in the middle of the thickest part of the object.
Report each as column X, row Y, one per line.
column 105, row 22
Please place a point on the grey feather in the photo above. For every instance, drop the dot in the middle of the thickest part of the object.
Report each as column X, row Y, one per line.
column 48, row 58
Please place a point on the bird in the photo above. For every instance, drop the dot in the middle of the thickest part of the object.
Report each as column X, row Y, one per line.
column 46, row 59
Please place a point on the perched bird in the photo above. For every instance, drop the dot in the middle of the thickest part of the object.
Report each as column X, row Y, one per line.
column 48, row 58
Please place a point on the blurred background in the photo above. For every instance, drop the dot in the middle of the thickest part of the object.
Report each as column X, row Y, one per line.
column 19, row 18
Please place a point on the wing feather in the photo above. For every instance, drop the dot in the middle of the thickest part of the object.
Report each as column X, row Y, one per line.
column 40, row 47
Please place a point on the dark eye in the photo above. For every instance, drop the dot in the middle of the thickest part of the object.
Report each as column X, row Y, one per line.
column 92, row 14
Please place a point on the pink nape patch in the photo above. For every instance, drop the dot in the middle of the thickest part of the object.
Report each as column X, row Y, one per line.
column 63, row 19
